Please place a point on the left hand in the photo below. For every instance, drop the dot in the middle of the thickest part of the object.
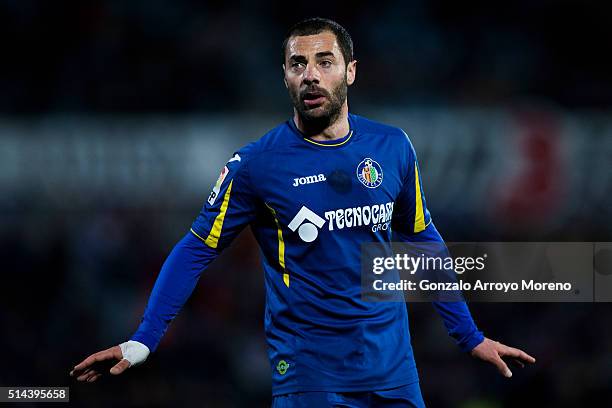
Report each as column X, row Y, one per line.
column 492, row 352
column 125, row 355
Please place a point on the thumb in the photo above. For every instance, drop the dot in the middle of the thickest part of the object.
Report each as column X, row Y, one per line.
column 120, row 367
column 502, row 367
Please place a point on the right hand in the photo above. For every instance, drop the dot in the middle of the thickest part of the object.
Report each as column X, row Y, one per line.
column 492, row 352
column 129, row 354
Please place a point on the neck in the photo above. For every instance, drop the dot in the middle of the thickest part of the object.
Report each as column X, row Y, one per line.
column 335, row 130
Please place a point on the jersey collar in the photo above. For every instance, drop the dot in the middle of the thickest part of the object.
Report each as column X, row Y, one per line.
column 325, row 144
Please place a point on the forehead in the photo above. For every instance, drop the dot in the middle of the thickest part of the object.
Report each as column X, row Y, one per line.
column 309, row 45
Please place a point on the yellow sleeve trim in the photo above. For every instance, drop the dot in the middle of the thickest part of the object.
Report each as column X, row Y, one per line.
column 196, row 234
column 281, row 247
column 213, row 237
column 419, row 216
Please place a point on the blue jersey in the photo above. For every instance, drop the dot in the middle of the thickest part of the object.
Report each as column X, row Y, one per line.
column 311, row 205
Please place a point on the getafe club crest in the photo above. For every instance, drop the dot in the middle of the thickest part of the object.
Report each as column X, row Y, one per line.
column 369, row 173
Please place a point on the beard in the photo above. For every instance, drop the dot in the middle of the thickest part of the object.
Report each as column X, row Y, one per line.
column 320, row 117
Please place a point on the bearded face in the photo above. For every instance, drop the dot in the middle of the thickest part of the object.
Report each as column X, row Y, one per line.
column 317, row 79
column 319, row 107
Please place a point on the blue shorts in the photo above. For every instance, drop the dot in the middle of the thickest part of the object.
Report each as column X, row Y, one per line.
column 406, row 396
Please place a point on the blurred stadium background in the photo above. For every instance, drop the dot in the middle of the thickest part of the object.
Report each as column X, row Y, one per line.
column 116, row 117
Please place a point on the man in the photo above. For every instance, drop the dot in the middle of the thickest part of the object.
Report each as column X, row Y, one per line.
column 312, row 190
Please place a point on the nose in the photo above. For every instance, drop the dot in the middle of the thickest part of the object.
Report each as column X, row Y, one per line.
column 311, row 74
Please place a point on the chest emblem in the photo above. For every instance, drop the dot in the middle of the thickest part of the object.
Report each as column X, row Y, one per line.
column 369, row 173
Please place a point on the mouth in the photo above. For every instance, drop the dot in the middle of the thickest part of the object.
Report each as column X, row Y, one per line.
column 312, row 99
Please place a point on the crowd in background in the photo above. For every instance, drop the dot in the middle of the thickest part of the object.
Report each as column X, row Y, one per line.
column 177, row 56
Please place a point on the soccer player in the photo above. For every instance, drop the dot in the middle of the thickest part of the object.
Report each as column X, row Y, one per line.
column 313, row 189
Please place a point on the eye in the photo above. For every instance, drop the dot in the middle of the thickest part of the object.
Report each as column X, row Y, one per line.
column 297, row 66
column 326, row 63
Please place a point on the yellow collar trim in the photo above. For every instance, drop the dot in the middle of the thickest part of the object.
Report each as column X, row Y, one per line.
column 330, row 145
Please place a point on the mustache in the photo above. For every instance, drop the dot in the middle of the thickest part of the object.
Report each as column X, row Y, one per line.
column 313, row 90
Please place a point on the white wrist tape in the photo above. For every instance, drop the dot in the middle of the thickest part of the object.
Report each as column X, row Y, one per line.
column 134, row 352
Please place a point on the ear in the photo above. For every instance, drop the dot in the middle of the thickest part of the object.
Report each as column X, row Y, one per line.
column 351, row 72
column 285, row 78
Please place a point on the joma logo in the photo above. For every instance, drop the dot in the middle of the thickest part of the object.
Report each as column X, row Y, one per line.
column 308, row 180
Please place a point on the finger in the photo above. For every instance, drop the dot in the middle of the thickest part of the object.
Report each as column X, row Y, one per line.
column 82, row 375
column 516, row 353
column 94, row 378
column 82, row 365
column 120, row 367
column 77, row 373
column 518, row 363
column 93, row 375
column 502, row 367
column 86, row 375
column 526, row 357
column 113, row 352
column 110, row 353
column 86, row 363
column 99, row 356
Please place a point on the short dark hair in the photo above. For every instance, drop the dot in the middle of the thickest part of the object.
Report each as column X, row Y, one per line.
column 317, row 25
